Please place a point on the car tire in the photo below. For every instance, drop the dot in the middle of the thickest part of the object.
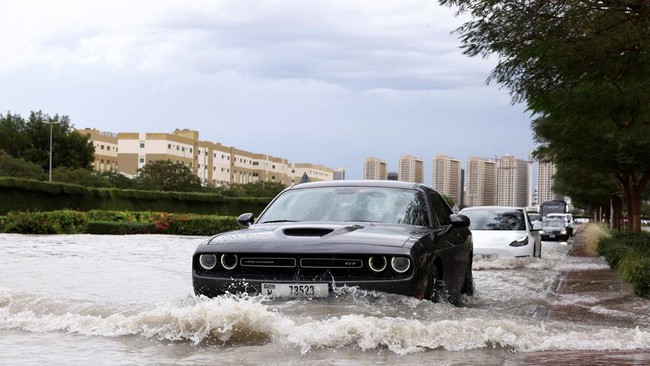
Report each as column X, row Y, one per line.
column 468, row 285
column 436, row 289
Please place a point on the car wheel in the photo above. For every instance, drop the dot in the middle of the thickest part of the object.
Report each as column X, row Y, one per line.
column 468, row 285
column 436, row 290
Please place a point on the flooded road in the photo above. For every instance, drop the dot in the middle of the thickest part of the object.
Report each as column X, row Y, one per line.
column 123, row 300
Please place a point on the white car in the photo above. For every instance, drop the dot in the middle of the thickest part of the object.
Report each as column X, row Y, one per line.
column 566, row 217
column 502, row 231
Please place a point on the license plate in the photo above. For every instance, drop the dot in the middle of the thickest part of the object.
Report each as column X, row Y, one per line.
column 551, row 236
column 488, row 256
column 295, row 289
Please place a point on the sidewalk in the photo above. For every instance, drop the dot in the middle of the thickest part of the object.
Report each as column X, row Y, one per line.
column 595, row 294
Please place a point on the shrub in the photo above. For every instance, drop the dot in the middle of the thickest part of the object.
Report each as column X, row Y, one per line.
column 629, row 255
column 51, row 222
column 120, row 228
column 112, row 216
column 178, row 224
column 115, row 222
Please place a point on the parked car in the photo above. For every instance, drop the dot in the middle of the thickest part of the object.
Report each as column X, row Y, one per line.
column 388, row 236
column 565, row 216
column 502, row 231
column 554, row 229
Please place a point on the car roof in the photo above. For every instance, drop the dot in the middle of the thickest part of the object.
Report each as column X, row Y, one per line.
column 360, row 183
column 502, row 208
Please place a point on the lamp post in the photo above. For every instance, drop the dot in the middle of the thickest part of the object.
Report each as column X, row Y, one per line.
column 51, row 123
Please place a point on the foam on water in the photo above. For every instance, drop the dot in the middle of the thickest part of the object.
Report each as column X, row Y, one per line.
column 233, row 321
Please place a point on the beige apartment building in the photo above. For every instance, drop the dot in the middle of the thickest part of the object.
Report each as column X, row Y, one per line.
column 105, row 149
column 545, row 174
column 514, row 182
column 410, row 169
column 481, row 175
column 447, row 177
column 214, row 163
column 375, row 169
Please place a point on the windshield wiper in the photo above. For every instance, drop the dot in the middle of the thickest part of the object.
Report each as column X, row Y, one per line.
column 282, row 220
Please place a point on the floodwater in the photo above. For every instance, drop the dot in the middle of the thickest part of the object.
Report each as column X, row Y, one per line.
column 127, row 300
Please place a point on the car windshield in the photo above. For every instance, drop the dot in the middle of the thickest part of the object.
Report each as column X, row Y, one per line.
column 349, row 204
column 553, row 223
column 495, row 220
column 557, row 217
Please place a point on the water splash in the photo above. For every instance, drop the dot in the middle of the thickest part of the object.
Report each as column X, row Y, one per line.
column 232, row 321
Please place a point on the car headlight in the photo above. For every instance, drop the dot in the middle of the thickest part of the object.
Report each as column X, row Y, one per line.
column 400, row 264
column 541, row 232
column 563, row 231
column 229, row 261
column 208, row 261
column 520, row 242
column 377, row 264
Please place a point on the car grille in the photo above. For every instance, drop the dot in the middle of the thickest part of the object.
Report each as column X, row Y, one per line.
column 268, row 262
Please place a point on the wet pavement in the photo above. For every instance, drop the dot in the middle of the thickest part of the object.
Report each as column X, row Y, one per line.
column 594, row 296
column 602, row 292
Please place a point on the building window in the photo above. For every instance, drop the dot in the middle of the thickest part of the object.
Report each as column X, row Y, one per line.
column 142, row 145
column 141, row 160
column 169, row 146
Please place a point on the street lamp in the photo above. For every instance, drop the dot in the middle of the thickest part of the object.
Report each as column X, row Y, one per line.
column 51, row 123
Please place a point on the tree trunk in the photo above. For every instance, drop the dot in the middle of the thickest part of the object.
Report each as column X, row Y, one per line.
column 616, row 213
column 632, row 193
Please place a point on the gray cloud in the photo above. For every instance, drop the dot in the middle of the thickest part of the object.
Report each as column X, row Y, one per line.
column 334, row 81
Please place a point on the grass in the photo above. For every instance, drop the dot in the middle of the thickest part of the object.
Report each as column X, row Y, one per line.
column 587, row 239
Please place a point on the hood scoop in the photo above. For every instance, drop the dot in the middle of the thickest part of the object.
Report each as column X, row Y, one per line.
column 307, row 231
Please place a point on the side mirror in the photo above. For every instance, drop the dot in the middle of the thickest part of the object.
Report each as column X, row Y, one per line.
column 246, row 219
column 459, row 221
column 537, row 226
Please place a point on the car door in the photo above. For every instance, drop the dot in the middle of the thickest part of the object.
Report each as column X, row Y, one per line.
column 457, row 255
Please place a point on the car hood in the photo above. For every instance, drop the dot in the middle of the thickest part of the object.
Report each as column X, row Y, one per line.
column 315, row 236
column 495, row 237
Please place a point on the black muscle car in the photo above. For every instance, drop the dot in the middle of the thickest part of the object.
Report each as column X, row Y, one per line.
column 386, row 236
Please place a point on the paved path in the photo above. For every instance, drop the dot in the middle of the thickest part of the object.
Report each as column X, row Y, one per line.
column 594, row 295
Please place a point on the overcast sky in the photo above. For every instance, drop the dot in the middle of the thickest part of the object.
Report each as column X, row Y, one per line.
column 321, row 81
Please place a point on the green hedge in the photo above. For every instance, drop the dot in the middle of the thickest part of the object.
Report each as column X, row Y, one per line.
column 53, row 222
column 115, row 222
column 629, row 255
column 18, row 194
column 120, row 228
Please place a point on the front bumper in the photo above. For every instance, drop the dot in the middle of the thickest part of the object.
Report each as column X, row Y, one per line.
column 504, row 251
column 214, row 286
column 554, row 237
